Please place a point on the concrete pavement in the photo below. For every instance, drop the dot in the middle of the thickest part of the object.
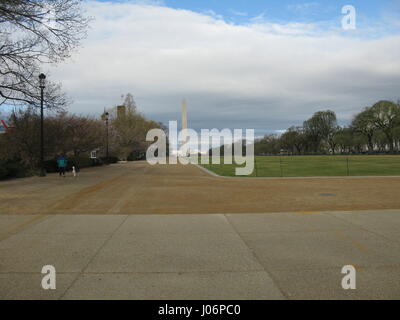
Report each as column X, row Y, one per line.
column 201, row 256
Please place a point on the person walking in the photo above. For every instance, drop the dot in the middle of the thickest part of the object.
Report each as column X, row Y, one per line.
column 62, row 165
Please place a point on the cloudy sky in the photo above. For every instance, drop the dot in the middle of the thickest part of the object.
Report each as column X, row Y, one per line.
column 257, row 64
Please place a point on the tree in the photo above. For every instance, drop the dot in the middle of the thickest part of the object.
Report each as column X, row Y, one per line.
column 386, row 116
column 33, row 33
column 349, row 140
column 321, row 127
column 364, row 124
column 130, row 102
column 294, row 139
column 66, row 134
column 269, row 144
column 73, row 134
column 128, row 131
column 380, row 140
column 22, row 141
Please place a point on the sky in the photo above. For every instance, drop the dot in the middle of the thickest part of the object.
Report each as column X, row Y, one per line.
column 263, row 65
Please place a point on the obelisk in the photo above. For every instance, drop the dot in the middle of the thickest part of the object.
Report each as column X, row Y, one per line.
column 184, row 126
column 184, row 114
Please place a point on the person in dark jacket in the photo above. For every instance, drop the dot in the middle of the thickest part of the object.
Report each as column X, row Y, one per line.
column 62, row 165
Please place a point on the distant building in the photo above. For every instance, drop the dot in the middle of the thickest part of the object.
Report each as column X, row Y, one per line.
column 121, row 111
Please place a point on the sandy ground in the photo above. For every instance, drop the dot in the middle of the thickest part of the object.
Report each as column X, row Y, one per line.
column 138, row 188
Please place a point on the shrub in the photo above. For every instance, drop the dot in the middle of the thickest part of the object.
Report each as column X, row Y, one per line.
column 79, row 161
column 12, row 168
column 136, row 156
column 109, row 160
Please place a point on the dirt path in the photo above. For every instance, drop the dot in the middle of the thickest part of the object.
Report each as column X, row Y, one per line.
column 137, row 188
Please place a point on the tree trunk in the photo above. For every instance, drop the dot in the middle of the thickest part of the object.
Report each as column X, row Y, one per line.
column 370, row 144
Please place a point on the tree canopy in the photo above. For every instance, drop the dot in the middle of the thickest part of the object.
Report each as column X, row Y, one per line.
column 33, row 33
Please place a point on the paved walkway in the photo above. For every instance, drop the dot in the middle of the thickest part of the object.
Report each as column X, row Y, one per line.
column 207, row 256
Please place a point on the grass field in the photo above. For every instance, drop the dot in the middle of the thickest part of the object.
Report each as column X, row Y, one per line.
column 308, row 166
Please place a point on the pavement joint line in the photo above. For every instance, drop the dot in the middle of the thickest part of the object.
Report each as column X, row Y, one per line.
column 332, row 268
column 92, row 258
column 147, row 234
column 177, row 272
column 20, row 227
column 274, row 280
column 293, row 231
column 34, row 272
column 347, row 211
column 330, row 212
column 361, row 227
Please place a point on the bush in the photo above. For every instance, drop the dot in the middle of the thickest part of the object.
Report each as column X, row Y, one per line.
column 50, row 166
column 12, row 168
column 78, row 161
column 136, row 156
column 109, row 160
column 3, row 171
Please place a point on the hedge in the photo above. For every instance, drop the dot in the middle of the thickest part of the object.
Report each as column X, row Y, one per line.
column 12, row 168
column 79, row 161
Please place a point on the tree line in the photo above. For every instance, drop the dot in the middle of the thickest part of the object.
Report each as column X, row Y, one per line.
column 376, row 129
column 75, row 136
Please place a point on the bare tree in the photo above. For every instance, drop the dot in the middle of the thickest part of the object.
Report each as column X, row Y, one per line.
column 363, row 123
column 321, row 128
column 22, row 141
column 130, row 102
column 386, row 117
column 33, row 33
column 128, row 132
column 67, row 133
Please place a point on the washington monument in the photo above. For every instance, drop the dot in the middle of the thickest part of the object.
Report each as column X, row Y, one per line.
column 184, row 124
column 184, row 114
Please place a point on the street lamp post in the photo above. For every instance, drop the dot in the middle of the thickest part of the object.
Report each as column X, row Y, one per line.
column 107, row 135
column 42, row 79
column 105, row 117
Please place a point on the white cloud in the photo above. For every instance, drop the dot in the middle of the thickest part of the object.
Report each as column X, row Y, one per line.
column 261, row 75
column 238, row 13
column 303, row 7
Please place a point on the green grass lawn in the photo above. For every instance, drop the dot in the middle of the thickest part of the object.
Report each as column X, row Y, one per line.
column 308, row 166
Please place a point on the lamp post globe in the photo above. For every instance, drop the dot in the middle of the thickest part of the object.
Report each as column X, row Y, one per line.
column 42, row 79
